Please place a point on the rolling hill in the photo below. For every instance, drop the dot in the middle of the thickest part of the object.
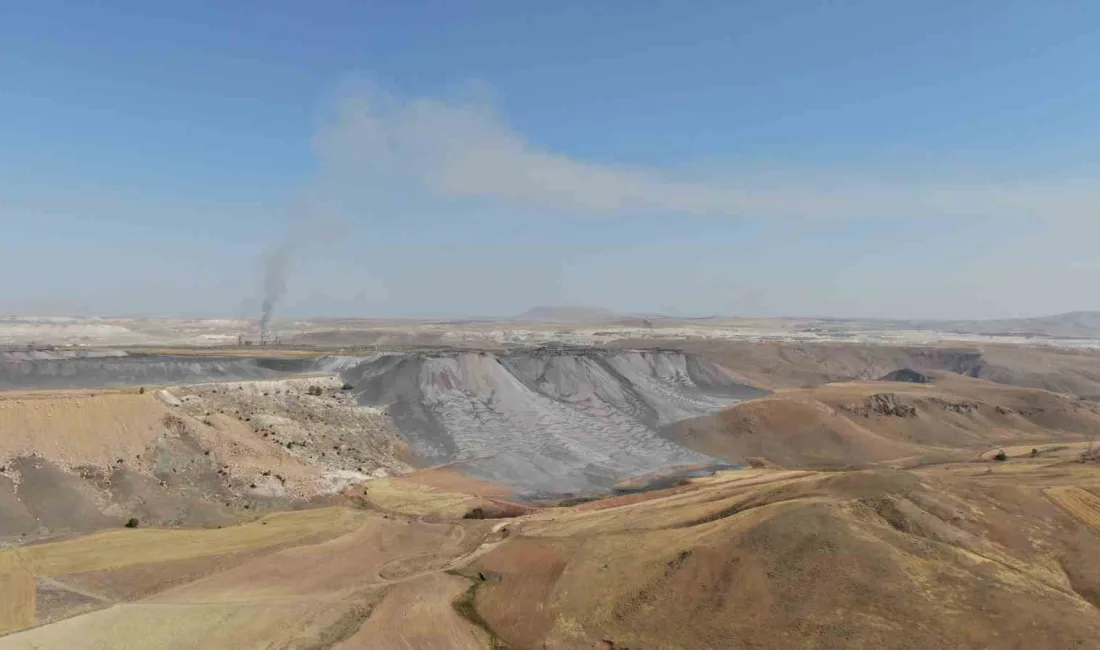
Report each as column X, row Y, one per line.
column 858, row 423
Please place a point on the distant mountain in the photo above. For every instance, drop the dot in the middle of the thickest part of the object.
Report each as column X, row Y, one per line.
column 559, row 314
column 1078, row 324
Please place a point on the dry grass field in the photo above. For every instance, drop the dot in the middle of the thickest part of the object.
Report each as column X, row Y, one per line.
column 967, row 554
column 306, row 579
column 944, row 557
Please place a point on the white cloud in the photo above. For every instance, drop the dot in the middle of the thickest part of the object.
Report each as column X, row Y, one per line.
column 465, row 150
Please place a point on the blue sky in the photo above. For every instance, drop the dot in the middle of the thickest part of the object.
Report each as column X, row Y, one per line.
column 458, row 159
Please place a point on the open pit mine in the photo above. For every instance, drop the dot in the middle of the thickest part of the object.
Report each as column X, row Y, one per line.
column 543, row 422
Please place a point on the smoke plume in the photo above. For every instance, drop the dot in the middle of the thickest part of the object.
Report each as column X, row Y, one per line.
column 276, row 268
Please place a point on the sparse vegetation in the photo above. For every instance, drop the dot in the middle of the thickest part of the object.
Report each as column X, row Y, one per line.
column 576, row 501
column 494, row 511
column 175, row 424
column 466, row 608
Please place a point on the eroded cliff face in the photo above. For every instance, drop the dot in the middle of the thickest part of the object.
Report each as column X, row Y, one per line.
column 546, row 421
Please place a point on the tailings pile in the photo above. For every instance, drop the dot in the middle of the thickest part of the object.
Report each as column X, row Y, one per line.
column 546, row 421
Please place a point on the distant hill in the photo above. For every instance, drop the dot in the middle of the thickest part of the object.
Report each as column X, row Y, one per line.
column 1078, row 324
column 560, row 314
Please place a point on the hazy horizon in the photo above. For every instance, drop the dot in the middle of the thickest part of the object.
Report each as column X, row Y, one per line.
column 932, row 162
column 505, row 317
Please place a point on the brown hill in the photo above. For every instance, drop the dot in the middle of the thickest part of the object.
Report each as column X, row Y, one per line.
column 870, row 422
column 761, row 559
column 1078, row 324
column 987, row 555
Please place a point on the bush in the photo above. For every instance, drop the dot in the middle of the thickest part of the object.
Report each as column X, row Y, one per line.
column 133, row 523
column 347, row 386
column 315, row 391
column 1001, row 456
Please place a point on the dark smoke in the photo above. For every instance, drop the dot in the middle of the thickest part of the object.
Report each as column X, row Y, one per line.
column 276, row 265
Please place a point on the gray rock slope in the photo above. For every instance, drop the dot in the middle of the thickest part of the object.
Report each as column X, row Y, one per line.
column 546, row 422
column 87, row 372
column 107, row 368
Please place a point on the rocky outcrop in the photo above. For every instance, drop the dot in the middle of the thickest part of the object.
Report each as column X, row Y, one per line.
column 957, row 407
column 882, row 404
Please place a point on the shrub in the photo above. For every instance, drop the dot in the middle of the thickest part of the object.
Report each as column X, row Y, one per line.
column 1001, row 456
column 132, row 523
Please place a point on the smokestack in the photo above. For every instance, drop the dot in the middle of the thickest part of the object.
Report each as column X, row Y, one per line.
column 276, row 266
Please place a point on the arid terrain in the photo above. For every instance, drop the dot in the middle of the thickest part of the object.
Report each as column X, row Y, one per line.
column 569, row 325
column 348, row 490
